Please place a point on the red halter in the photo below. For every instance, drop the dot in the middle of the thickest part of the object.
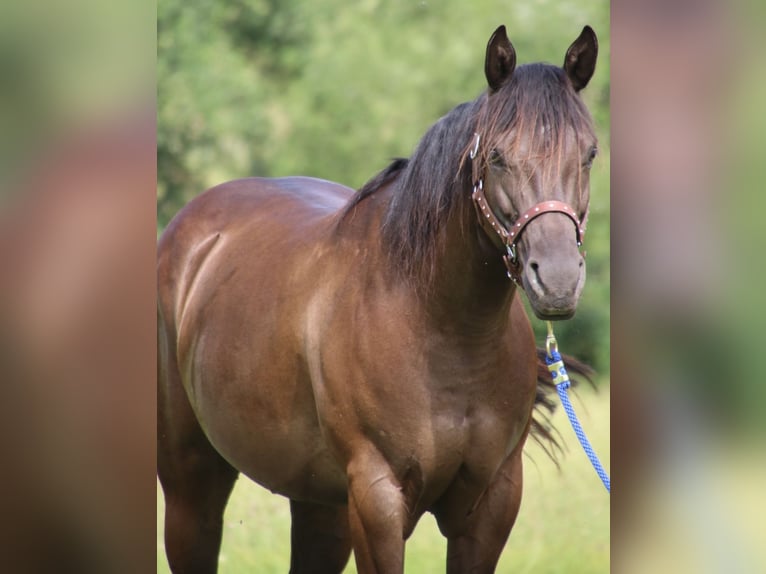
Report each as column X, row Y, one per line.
column 510, row 236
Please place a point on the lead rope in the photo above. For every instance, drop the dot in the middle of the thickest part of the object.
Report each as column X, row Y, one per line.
column 561, row 380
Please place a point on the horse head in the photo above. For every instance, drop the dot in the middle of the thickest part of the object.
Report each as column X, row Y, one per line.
column 531, row 171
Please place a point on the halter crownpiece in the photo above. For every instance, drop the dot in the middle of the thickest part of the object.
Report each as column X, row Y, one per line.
column 510, row 236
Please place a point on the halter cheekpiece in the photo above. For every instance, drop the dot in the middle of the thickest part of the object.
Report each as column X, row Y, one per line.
column 510, row 236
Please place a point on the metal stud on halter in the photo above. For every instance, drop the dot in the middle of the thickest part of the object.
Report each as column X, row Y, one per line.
column 475, row 148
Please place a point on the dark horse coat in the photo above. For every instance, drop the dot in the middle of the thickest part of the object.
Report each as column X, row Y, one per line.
column 366, row 355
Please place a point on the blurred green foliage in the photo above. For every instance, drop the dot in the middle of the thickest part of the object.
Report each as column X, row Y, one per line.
column 334, row 90
column 65, row 66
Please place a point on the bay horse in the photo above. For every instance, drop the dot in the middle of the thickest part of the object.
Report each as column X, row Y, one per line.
column 366, row 354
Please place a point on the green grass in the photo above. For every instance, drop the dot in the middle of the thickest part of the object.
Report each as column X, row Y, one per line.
column 563, row 525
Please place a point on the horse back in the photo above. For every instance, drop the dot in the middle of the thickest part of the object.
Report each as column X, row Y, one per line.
column 256, row 217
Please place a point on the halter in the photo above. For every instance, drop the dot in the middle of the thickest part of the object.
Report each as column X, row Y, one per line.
column 510, row 236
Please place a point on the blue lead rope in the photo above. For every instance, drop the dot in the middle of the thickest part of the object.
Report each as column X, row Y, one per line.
column 561, row 380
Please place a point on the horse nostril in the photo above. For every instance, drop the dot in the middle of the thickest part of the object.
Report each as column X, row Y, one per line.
column 534, row 272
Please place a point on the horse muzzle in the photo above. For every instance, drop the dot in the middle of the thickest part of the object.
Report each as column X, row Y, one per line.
column 554, row 284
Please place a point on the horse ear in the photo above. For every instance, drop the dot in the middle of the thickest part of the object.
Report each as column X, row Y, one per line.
column 500, row 61
column 580, row 61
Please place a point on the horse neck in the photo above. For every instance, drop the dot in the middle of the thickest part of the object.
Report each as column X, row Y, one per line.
column 469, row 289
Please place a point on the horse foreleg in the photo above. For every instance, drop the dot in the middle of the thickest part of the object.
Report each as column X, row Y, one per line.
column 377, row 515
column 476, row 547
column 319, row 538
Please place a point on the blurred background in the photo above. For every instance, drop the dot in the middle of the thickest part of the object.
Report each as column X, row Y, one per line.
column 77, row 311
column 688, row 393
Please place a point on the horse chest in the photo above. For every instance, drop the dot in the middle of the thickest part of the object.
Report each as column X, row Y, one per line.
column 482, row 432
column 457, row 435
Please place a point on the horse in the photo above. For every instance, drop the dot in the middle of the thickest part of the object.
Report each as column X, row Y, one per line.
column 367, row 354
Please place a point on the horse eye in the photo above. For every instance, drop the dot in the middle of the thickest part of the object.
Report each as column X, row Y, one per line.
column 495, row 159
column 591, row 156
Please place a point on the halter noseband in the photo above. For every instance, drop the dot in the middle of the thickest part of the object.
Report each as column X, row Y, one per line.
column 510, row 236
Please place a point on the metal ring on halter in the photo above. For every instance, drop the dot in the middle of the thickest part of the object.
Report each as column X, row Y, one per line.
column 550, row 340
column 511, row 249
column 475, row 148
column 550, row 343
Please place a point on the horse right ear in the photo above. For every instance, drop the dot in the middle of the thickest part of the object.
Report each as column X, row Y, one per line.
column 580, row 60
column 500, row 61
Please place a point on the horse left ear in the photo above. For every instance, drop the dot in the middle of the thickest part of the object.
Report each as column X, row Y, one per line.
column 500, row 61
column 580, row 61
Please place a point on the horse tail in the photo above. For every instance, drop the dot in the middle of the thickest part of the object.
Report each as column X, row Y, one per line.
column 543, row 431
